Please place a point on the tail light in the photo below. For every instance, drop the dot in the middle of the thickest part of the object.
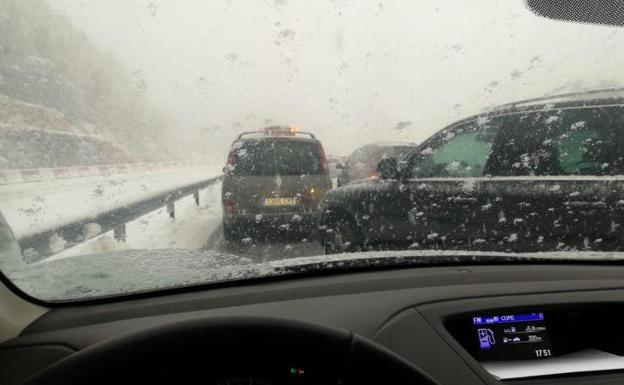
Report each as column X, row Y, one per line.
column 324, row 163
column 230, row 208
column 313, row 193
column 313, row 196
column 231, row 162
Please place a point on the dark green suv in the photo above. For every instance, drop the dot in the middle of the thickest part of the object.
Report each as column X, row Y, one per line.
column 274, row 181
column 539, row 175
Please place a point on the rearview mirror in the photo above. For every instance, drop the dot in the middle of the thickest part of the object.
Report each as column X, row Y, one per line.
column 387, row 168
column 607, row 12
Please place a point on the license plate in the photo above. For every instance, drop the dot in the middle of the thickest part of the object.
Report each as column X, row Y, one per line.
column 280, row 201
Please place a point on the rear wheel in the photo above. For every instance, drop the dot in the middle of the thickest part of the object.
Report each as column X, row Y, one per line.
column 341, row 235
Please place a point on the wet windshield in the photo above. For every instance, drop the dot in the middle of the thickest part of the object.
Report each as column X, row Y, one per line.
column 150, row 144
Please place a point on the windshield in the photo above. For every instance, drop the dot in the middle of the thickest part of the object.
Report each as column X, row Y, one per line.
column 275, row 157
column 152, row 144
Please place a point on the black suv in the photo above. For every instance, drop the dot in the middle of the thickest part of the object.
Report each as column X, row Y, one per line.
column 274, row 180
column 543, row 174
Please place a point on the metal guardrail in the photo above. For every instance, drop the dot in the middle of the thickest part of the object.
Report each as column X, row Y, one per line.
column 36, row 247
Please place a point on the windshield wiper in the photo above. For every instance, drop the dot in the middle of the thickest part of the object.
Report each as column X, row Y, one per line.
column 398, row 259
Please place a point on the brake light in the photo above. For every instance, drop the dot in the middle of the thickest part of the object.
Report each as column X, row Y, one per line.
column 324, row 163
column 231, row 162
column 231, row 158
column 230, row 208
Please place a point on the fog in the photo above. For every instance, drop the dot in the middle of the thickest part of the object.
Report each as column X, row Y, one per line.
column 352, row 72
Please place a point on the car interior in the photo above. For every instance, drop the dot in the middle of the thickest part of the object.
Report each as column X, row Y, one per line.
column 409, row 325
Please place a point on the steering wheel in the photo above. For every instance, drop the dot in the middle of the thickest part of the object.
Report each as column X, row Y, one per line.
column 224, row 350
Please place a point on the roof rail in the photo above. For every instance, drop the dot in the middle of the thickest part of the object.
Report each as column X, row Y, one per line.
column 275, row 132
column 552, row 98
column 246, row 133
column 311, row 135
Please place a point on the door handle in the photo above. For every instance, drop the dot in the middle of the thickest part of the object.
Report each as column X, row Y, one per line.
column 587, row 205
column 463, row 200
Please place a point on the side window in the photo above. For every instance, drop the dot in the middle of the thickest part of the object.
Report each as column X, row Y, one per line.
column 525, row 146
column 462, row 151
column 589, row 142
column 582, row 141
column 580, row 151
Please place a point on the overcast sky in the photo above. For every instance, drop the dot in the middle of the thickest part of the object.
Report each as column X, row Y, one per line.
column 348, row 70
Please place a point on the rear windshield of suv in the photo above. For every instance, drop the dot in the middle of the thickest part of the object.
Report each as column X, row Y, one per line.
column 369, row 156
column 276, row 157
column 398, row 152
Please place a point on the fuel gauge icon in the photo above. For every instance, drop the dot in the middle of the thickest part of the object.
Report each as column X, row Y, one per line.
column 486, row 338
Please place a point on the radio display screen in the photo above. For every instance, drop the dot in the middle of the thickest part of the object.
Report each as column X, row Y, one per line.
column 512, row 336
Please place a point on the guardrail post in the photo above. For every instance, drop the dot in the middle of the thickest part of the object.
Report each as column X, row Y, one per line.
column 171, row 209
column 119, row 232
column 196, row 196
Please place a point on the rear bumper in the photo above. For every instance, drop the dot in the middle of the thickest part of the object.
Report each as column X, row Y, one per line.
column 273, row 222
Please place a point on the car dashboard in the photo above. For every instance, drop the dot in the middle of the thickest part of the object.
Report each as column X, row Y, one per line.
column 484, row 324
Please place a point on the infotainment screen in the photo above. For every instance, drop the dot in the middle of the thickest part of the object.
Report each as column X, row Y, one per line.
column 512, row 336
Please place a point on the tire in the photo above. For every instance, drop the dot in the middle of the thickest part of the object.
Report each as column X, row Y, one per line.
column 341, row 235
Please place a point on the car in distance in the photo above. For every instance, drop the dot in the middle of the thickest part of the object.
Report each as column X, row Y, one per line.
column 363, row 161
column 336, row 165
column 273, row 182
column 544, row 174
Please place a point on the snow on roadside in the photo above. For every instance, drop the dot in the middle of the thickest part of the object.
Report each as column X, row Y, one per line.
column 30, row 208
column 189, row 230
